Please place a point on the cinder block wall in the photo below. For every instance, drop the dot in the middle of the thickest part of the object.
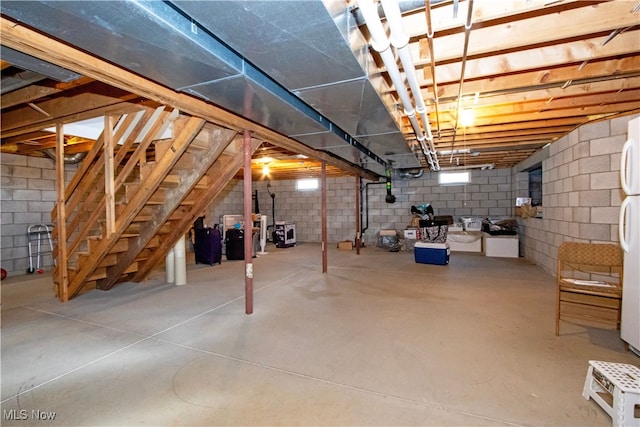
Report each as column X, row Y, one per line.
column 488, row 195
column 581, row 198
column 581, row 191
column 229, row 202
column 28, row 196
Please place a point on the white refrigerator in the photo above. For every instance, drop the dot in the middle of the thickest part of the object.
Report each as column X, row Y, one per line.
column 629, row 230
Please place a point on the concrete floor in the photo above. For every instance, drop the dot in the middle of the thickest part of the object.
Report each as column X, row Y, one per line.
column 379, row 340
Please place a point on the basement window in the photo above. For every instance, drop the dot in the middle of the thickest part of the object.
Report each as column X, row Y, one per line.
column 307, row 184
column 454, row 178
column 535, row 186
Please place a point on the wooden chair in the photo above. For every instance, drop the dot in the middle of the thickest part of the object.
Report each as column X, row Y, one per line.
column 589, row 282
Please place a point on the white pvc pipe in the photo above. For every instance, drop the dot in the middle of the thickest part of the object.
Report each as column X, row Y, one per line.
column 263, row 234
column 170, row 266
column 380, row 42
column 180, row 262
column 400, row 40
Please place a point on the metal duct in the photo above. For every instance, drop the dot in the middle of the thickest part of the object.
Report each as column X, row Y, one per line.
column 410, row 174
column 28, row 62
column 296, row 76
column 69, row 159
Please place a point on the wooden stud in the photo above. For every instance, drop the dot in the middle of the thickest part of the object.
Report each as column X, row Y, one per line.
column 63, row 275
column 109, row 177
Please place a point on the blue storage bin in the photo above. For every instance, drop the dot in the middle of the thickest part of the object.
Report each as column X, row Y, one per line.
column 431, row 253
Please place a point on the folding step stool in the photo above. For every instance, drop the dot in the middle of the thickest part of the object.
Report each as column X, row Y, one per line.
column 616, row 388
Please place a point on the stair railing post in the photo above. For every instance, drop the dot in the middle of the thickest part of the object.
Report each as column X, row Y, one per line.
column 61, row 218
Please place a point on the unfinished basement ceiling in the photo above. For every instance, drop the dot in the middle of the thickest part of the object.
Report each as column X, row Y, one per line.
column 533, row 70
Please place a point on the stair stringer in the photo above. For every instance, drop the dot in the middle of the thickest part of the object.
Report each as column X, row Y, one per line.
column 100, row 250
column 219, row 139
column 221, row 172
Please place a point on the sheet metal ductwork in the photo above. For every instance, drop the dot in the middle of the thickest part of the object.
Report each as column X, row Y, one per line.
column 298, row 67
column 35, row 70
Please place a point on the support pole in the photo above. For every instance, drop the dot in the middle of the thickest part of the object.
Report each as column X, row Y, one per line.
column 61, row 219
column 170, row 266
column 357, row 215
column 180, row 259
column 248, row 226
column 324, row 216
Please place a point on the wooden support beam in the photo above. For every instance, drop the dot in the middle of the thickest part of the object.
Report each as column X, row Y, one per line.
column 62, row 276
column 37, row 91
column 99, row 99
column 566, row 25
column 109, row 176
column 530, row 59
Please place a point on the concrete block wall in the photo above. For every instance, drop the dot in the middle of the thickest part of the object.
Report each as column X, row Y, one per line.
column 581, row 198
column 488, row 195
column 581, row 191
column 28, row 196
column 229, row 202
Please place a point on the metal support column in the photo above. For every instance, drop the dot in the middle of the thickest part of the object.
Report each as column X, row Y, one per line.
column 357, row 215
column 324, row 216
column 248, row 226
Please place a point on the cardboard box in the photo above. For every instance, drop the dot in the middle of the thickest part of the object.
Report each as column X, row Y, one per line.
column 431, row 253
column 411, row 233
column 345, row 245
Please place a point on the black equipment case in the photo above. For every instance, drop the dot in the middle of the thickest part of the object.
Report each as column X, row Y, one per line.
column 208, row 246
column 234, row 244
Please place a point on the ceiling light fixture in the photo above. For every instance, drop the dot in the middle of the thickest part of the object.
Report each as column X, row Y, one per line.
column 466, row 117
column 263, row 160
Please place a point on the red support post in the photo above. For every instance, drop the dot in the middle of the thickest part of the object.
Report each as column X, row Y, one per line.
column 324, row 216
column 248, row 225
column 357, row 215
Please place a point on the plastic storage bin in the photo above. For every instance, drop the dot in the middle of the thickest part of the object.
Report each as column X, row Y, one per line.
column 431, row 253
column 501, row 246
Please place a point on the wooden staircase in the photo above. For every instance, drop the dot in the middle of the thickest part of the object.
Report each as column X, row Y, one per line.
column 136, row 193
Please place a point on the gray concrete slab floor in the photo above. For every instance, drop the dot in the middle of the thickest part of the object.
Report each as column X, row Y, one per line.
column 378, row 340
